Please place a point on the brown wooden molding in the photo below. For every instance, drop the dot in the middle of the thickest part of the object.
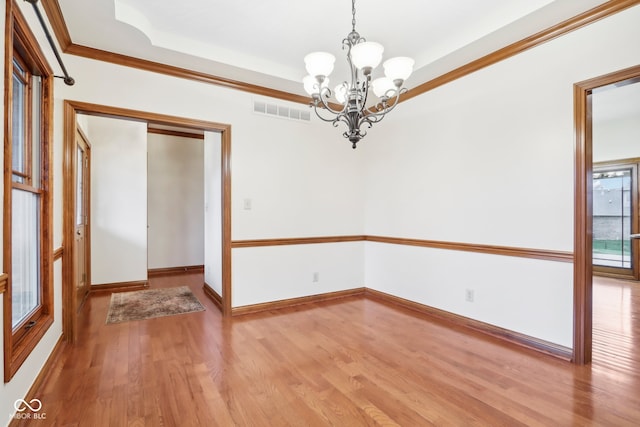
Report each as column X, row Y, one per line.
column 120, row 286
column 54, row 13
column 543, row 254
column 276, row 305
column 170, row 70
column 4, row 279
column 58, row 253
column 71, row 108
column 547, row 255
column 464, row 322
column 604, row 10
column 175, row 133
column 43, row 375
column 169, row 271
column 294, row 241
column 583, row 211
column 617, row 162
column 212, row 295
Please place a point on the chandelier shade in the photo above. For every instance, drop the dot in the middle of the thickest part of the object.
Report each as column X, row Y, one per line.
column 367, row 55
column 399, row 68
column 355, row 108
column 383, row 86
column 319, row 63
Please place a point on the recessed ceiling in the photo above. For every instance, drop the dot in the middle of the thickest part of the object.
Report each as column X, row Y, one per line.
column 264, row 42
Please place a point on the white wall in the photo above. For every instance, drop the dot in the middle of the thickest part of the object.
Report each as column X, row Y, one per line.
column 616, row 123
column 213, row 211
column 284, row 272
column 488, row 159
column 175, row 204
column 118, row 200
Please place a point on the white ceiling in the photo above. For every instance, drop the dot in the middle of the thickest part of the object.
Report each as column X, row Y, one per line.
column 264, row 42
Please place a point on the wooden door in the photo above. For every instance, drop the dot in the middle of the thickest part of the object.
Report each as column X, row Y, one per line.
column 82, row 232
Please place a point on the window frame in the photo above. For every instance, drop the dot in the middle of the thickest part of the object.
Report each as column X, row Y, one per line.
column 632, row 273
column 22, row 45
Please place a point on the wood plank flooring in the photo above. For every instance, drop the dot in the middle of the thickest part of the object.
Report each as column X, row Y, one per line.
column 353, row 362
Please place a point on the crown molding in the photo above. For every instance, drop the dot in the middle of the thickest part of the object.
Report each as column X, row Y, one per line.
column 597, row 13
column 54, row 13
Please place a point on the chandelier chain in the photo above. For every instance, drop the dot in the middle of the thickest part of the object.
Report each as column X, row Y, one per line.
column 353, row 13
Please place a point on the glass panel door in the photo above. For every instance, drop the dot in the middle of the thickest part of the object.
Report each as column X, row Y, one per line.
column 612, row 218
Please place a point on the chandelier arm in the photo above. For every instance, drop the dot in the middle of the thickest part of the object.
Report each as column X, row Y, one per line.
column 324, row 95
column 324, row 119
column 387, row 107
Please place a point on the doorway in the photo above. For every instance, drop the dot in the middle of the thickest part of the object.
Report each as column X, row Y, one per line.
column 71, row 156
column 82, row 229
column 584, row 211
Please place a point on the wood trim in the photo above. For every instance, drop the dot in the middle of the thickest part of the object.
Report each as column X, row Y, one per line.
column 19, row 38
column 174, row 133
column 604, row 10
column 542, row 254
column 292, row 302
column 583, row 211
column 54, row 13
column 170, row 70
column 69, row 301
column 467, row 323
column 43, row 375
column 212, row 295
column 170, row 271
column 227, row 293
column 547, row 255
column 27, row 188
column 294, row 241
column 71, row 109
column 120, row 287
column 618, row 162
column 4, row 279
column 58, row 253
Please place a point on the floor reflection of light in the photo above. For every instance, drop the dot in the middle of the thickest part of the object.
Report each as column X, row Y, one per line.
column 613, row 327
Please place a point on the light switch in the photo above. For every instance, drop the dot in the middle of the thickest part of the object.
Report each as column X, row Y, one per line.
column 247, row 204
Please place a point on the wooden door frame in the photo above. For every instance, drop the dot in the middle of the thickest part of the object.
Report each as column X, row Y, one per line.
column 583, row 211
column 87, row 233
column 71, row 109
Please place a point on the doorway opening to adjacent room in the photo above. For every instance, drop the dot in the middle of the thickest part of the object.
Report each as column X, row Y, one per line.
column 586, row 242
column 220, row 154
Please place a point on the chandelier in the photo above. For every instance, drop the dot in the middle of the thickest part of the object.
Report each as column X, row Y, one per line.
column 363, row 57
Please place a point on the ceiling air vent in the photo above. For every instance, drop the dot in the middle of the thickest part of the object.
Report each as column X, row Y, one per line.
column 267, row 109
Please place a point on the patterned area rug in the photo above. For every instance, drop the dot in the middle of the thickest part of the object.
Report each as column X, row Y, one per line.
column 141, row 305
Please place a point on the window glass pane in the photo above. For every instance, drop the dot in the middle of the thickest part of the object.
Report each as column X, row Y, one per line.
column 25, row 254
column 18, row 123
column 612, row 218
column 18, row 179
column 36, row 129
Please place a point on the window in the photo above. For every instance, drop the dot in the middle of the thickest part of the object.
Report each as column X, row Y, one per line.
column 615, row 220
column 28, row 305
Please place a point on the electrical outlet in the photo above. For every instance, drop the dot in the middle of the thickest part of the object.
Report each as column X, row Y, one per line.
column 469, row 295
column 316, row 277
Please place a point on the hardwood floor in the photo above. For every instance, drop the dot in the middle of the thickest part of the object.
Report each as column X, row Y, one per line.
column 345, row 363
